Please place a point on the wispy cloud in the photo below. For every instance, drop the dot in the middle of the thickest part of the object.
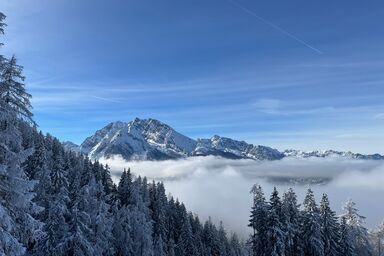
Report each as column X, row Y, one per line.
column 106, row 99
column 274, row 26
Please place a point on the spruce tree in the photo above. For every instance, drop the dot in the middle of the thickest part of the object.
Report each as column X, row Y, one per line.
column 359, row 233
column 292, row 217
column 275, row 233
column 258, row 222
column 329, row 228
column 185, row 245
column 54, row 241
column 346, row 242
column 15, row 100
column 17, row 226
column 377, row 237
column 310, row 229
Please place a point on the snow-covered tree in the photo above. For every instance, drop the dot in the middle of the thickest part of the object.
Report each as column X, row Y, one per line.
column 15, row 100
column 329, row 228
column 310, row 227
column 377, row 238
column 17, row 226
column 186, row 245
column 236, row 248
column 359, row 233
column 346, row 241
column 291, row 213
column 158, row 206
column 258, row 222
column 56, row 228
column 275, row 233
column 131, row 229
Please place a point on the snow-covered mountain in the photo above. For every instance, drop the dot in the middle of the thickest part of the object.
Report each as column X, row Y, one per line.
column 331, row 153
column 140, row 139
column 150, row 139
column 70, row 146
column 229, row 148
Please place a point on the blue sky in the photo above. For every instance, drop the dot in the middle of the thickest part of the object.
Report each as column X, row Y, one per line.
column 288, row 74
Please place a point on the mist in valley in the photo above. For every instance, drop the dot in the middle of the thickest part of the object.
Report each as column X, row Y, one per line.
column 219, row 188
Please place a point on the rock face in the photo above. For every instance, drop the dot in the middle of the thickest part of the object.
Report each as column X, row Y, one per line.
column 150, row 139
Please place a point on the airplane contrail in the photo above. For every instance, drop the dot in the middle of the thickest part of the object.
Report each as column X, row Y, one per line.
column 267, row 22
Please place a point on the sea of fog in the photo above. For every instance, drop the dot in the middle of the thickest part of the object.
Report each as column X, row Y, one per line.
column 217, row 187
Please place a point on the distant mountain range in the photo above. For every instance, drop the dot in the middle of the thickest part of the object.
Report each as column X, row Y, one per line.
column 150, row 139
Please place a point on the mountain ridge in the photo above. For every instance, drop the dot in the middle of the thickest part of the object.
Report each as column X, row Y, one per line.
column 151, row 139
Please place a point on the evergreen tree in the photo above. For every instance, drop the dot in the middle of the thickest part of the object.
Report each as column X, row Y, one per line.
column 158, row 206
column 185, row 245
column 17, row 226
column 15, row 100
column 358, row 232
column 275, row 233
column 258, row 222
column 346, row 242
column 310, row 229
column 210, row 239
column 236, row 249
column 56, row 228
column 291, row 213
column 377, row 238
column 329, row 228
column 131, row 229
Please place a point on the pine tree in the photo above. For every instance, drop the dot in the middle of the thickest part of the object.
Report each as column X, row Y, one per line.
column 55, row 226
column 291, row 213
column 37, row 169
column 346, row 240
column 17, row 226
column 185, row 245
column 377, row 237
column 310, row 229
column 100, row 219
column 358, row 232
column 197, row 231
column 236, row 249
column 210, row 239
column 158, row 206
column 15, row 100
column 258, row 221
column 275, row 233
column 131, row 228
column 329, row 228
column 223, row 240
column 2, row 27
column 124, row 188
column 141, row 232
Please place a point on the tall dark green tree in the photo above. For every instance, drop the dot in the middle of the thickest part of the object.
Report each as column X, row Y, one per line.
column 291, row 213
column 275, row 233
column 329, row 225
column 310, row 228
column 258, row 222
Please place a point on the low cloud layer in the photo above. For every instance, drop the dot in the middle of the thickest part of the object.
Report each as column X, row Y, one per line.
column 216, row 187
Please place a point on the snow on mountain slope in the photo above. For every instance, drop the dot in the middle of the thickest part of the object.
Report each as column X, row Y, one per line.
column 146, row 139
column 235, row 149
column 70, row 146
column 331, row 153
column 150, row 139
